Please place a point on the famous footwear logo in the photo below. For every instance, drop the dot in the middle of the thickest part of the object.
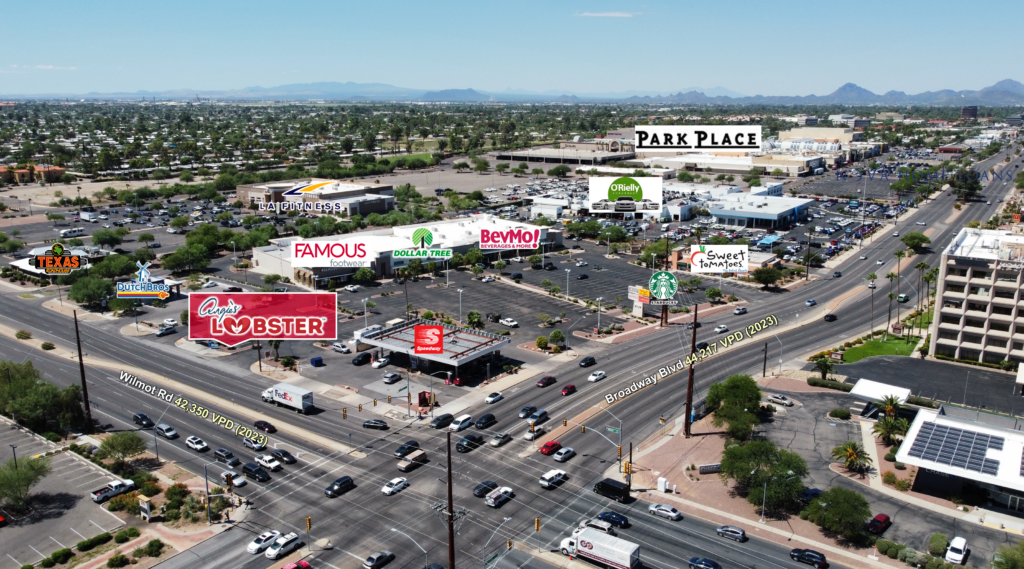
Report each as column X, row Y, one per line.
column 672, row 138
column 141, row 289
column 57, row 261
column 233, row 318
column 422, row 239
column 719, row 259
column 626, row 194
column 429, row 339
column 329, row 254
column 510, row 239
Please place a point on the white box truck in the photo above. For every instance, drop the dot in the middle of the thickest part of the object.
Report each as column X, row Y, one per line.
column 290, row 396
column 602, row 548
column 89, row 217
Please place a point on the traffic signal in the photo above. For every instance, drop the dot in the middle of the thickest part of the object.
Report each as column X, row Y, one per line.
column 375, row 402
column 532, row 423
column 583, row 428
column 564, row 422
column 508, row 544
column 229, row 482
column 360, row 407
column 344, row 412
column 629, row 468
column 536, row 524
column 662, row 420
column 389, row 399
column 309, row 523
column 620, row 452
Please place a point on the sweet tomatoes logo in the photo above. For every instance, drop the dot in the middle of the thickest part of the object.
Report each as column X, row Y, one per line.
column 234, row 318
column 330, row 254
column 429, row 339
column 511, row 239
column 719, row 259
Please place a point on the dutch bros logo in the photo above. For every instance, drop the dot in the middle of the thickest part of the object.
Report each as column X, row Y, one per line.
column 429, row 339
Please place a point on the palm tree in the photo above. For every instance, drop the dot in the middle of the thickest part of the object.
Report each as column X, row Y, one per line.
column 888, row 319
column 891, row 405
column 853, row 456
column 889, row 429
column 824, row 366
column 900, row 255
column 872, row 277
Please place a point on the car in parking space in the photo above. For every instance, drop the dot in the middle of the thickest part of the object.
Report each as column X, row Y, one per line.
column 486, row 421
column 615, row 519
column 703, row 563
column 582, row 276
column 341, row 348
column 665, row 511
column 810, row 557
column 283, row 546
column 780, row 399
column 484, row 488
column 351, row 288
column 550, row 447
column 508, row 322
column 265, row 426
column 588, row 361
column 721, row 328
column 811, row 302
column 879, row 524
column 487, row 279
column 597, row 376
column 494, row 398
column 831, row 317
column 581, row 263
column 269, row 462
column 469, row 442
column 740, row 310
column 442, row 421
column 500, row 439
column 732, row 532
column 380, row 363
column 170, row 322
column 283, row 456
column 957, row 551
column 808, row 494
column 515, row 276
column 361, row 359
column 378, row 559
column 197, row 444
column 165, row 330
column 391, row 378
column 563, row 454
column 569, row 389
column 377, row 424
column 211, row 284
column 394, row 486
column 546, row 381
column 166, row 431
column 263, row 541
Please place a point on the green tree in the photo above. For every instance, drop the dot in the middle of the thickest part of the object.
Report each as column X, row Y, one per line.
column 186, row 177
column 474, row 320
column 840, row 511
column 889, row 429
column 145, row 238
column 501, row 167
column 556, row 337
column 852, row 455
column 559, row 171
column 824, row 366
column 735, row 403
column 90, row 290
column 534, row 260
column 271, row 280
column 122, row 446
column 614, row 234
column 718, row 240
column 16, row 482
column 755, row 463
column 542, row 342
column 476, row 270
column 965, row 183
column 113, row 266
column 179, row 222
column 890, row 405
column 364, row 275
column 713, row 294
column 915, row 240
column 1009, row 557
column 224, row 183
column 766, row 276
column 500, row 265
column 106, row 238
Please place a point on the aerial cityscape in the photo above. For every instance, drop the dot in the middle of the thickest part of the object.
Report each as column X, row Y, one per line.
column 531, row 286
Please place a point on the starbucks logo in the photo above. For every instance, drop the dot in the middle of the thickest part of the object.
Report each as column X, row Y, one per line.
column 663, row 285
column 423, row 238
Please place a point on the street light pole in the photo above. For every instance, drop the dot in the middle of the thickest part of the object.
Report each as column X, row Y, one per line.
column 460, row 307
column 365, row 315
column 567, row 271
column 483, row 554
column 599, row 312
column 14, row 451
column 425, row 559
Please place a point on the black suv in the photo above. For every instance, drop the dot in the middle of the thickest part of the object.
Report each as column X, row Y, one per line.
column 493, row 317
column 469, row 442
column 587, row 361
column 406, row 448
column 361, row 359
column 442, row 421
column 142, row 420
column 810, row 557
column 484, row 488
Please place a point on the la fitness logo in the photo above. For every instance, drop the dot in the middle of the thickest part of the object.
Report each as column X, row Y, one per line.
column 429, row 339
column 329, row 254
column 719, row 259
column 233, row 318
column 510, row 239
column 57, row 261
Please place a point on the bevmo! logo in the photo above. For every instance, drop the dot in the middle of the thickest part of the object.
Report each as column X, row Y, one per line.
column 510, row 239
column 429, row 339
column 233, row 318
column 57, row 261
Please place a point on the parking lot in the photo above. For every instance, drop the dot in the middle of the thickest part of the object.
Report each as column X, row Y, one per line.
column 62, row 512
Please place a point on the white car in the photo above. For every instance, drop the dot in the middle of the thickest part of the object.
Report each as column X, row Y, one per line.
column 195, row 443
column 537, row 432
column 921, row 223
column 341, row 348
column 494, row 398
column 237, row 480
column 487, row 280
column 895, row 233
column 394, row 486
column 880, row 262
column 263, row 541
column 516, row 259
column 283, row 546
column 564, row 454
column 957, row 551
column 211, row 284
column 871, row 284
column 170, row 322
column 722, row 328
column 740, row 310
column 597, row 376
column 986, row 203
column 381, row 363
column 665, row 511
column 352, row 288
column 780, row 399
column 101, row 216
column 581, row 264
column 863, row 257
column 509, row 322
column 269, row 462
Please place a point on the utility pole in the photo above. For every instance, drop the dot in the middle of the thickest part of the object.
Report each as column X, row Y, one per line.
column 81, row 368
column 629, row 479
column 689, row 384
column 664, row 307
column 764, row 368
column 450, row 514
column 206, row 479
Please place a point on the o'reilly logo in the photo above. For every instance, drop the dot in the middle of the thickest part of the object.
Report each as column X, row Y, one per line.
column 625, row 187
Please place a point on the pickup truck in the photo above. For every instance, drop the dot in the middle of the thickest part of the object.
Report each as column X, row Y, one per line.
column 113, row 489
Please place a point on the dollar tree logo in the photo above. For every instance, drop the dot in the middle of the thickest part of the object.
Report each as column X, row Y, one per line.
column 663, row 285
column 422, row 238
column 625, row 188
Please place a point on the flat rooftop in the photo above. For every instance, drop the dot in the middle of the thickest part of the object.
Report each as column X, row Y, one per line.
column 461, row 345
column 564, row 155
column 987, row 245
column 746, row 205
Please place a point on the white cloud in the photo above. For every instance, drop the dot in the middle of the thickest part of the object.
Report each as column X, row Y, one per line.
column 607, row 14
column 44, row 67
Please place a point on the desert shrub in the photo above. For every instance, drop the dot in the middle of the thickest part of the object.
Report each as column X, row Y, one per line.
column 133, row 532
column 121, row 537
column 428, row 315
column 150, row 489
column 899, row 466
column 125, row 502
column 890, row 456
column 119, row 560
column 937, row 544
column 908, row 556
column 843, row 414
column 177, row 492
column 883, row 546
column 47, row 346
column 23, row 334
column 154, row 548
column 47, row 562
column 62, row 555
column 903, row 484
column 889, row 478
column 804, row 514
column 817, row 382
column 894, row 551
column 172, row 514
column 93, row 542
column 924, row 559
column 52, row 437
column 28, row 567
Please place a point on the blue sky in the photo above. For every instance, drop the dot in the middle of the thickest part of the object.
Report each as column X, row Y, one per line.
column 752, row 47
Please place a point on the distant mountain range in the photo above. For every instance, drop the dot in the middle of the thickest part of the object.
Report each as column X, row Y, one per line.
column 1004, row 93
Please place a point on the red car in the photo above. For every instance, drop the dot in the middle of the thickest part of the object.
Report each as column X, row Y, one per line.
column 879, row 524
column 300, row 564
column 569, row 389
column 550, row 447
column 545, row 381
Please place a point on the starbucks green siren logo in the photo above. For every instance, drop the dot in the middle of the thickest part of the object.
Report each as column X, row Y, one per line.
column 422, row 237
column 625, row 188
column 663, row 285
